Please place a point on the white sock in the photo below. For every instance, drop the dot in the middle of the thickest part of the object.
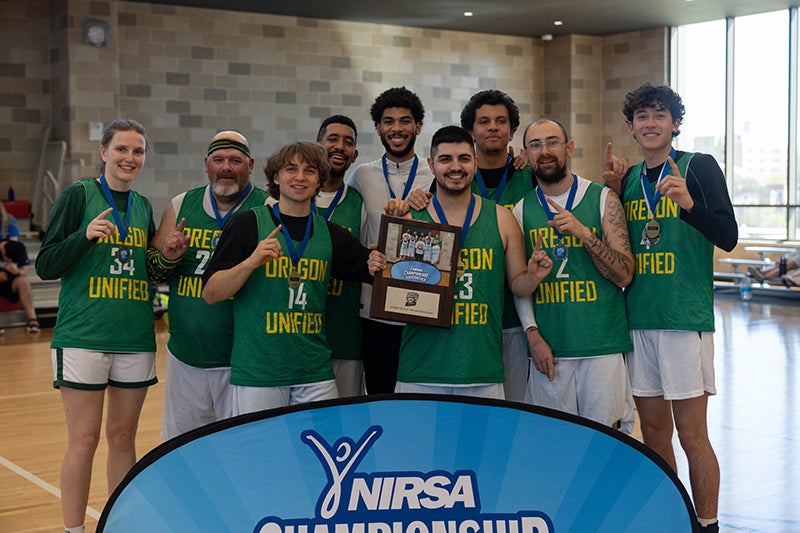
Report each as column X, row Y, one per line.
column 77, row 529
column 706, row 521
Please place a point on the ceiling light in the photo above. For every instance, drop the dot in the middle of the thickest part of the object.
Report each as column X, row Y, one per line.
column 558, row 23
column 468, row 13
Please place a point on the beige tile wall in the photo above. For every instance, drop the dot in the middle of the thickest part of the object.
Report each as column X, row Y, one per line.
column 585, row 84
column 186, row 73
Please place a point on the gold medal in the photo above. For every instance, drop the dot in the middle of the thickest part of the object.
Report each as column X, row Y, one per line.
column 461, row 268
column 652, row 230
column 294, row 278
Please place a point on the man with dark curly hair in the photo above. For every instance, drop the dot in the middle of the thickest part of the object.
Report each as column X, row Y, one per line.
column 677, row 207
column 398, row 174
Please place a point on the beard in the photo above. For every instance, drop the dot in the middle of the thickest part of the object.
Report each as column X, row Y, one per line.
column 551, row 176
column 336, row 171
column 223, row 191
column 442, row 185
column 399, row 154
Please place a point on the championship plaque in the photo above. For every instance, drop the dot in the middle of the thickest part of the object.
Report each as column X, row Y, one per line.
column 418, row 284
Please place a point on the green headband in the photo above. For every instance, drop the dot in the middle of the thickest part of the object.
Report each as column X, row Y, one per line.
column 221, row 144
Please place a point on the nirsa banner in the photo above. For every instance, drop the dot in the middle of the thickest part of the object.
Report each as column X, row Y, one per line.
column 401, row 464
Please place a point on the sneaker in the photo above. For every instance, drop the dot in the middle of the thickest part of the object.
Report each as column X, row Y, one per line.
column 710, row 528
column 756, row 273
column 33, row 326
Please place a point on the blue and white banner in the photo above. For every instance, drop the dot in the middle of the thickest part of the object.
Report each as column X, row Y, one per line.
column 401, row 464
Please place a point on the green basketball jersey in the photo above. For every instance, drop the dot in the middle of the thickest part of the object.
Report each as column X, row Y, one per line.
column 105, row 304
column 673, row 285
column 342, row 323
column 471, row 351
column 192, row 340
column 279, row 338
column 579, row 312
column 518, row 186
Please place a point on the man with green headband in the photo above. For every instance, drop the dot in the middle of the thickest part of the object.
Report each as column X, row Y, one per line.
column 199, row 348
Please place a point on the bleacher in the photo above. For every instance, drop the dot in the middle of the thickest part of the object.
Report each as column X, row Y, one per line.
column 45, row 292
column 47, row 181
column 732, row 268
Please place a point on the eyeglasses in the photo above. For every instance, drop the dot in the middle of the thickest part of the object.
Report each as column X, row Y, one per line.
column 552, row 144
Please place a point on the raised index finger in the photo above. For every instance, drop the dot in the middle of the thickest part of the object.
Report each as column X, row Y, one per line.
column 607, row 158
column 538, row 245
column 181, row 225
column 274, row 232
column 555, row 205
column 104, row 214
column 674, row 167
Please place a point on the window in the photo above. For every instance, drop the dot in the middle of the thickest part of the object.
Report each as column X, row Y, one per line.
column 749, row 135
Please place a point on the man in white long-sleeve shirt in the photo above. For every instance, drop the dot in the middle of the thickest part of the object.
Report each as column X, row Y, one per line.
column 397, row 114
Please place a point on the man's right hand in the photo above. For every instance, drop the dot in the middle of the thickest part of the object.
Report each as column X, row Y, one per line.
column 268, row 249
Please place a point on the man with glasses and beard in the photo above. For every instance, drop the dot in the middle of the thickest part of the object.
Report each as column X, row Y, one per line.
column 579, row 332
column 398, row 174
column 201, row 335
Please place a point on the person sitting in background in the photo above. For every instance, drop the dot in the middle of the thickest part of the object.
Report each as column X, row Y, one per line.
column 8, row 225
column 791, row 276
column 14, row 286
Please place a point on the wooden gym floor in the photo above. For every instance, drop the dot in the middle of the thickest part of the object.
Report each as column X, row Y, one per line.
column 754, row 423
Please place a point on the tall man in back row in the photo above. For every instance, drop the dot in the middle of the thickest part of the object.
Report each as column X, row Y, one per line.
column 467, row 359
column 492, row 118
column 397, row 175
column 677, row 207
column 198, row 388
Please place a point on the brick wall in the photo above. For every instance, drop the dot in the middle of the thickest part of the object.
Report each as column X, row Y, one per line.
column 186, row 73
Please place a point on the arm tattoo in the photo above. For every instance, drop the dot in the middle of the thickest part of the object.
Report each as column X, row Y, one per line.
column 614, row 265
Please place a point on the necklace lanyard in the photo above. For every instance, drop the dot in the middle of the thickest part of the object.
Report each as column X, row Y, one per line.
column 652, row 198
column 568, row 206
column 467, row 220
column 220, row 219
column 411, row 175
column 294, row 253
column 500, row 186
column 122, row 228
column 329, row 211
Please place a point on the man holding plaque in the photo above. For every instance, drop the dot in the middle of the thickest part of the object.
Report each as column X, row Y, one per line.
column 467, row 359
column 277, row 260
column 198, row 389
column 579, row 334
column 677, row 207
column 492, row 118
column 343, row 205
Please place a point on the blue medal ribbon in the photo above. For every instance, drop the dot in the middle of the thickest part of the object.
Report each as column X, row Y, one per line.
column 652, row 198
column 220, row 219
column 294, row 253
column 329, row 211
column 122, row 228
column 500, row 186
column 467, row 220
column 411, row 175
